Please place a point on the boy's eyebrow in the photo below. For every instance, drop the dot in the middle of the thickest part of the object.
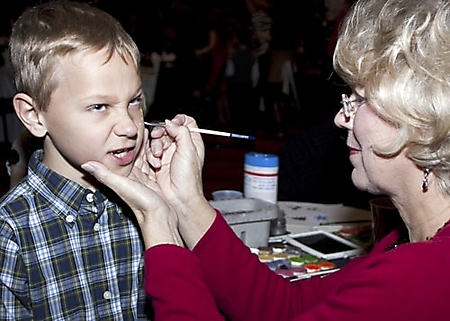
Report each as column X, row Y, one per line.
column 137, row 93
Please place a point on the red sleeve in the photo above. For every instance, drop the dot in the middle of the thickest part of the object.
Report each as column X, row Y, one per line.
column 246, row 289
column 383, row 285
column 174, row 283
column 221, row 270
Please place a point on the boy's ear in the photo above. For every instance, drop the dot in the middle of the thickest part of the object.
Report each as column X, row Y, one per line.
column 28, row 114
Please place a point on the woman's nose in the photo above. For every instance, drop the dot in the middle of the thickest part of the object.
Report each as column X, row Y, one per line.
column 343, row 121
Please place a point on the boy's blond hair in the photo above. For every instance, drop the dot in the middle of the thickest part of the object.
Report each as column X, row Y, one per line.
column 47, row 33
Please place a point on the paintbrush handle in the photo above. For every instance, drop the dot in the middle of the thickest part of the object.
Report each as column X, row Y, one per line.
column 207, row 131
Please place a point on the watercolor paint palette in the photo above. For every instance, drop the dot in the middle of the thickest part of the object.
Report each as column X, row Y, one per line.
column 292, row 263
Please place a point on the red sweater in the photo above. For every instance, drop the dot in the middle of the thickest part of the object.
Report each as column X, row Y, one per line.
column 407, row 283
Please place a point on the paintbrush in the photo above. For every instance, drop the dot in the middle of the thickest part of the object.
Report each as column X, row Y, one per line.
column 206, row 131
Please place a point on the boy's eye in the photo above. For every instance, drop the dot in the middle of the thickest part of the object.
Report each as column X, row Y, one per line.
column 136, row 101
column 98, row 107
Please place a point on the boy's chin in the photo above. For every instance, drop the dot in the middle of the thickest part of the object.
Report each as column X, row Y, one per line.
column 123, row 170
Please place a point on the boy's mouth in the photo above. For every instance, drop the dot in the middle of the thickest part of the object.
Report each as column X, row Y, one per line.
column 123, row 156
column 120, row 153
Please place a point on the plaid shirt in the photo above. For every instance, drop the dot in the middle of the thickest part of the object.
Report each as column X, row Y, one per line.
column 67, row 253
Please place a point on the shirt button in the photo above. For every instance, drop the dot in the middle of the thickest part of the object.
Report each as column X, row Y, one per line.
column 69, row 218
column 96, row 227
column 106, row 295
column 90, row 197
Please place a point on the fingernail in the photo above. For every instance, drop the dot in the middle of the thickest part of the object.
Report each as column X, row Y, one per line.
column 88, row 168
column 169, row 123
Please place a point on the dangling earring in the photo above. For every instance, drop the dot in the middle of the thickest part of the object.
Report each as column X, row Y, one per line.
column 426, row 171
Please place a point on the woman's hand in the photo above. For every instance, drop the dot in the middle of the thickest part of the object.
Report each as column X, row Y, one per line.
column 140, row 191
column 177, row 157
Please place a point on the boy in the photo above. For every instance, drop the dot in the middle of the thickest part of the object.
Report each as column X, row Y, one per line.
column 68, row 249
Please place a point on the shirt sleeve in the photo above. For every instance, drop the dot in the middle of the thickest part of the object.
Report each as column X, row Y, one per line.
column 175, row 284
column 221, row 274
column 14, row 302
column 246, row 288
column 379, row 286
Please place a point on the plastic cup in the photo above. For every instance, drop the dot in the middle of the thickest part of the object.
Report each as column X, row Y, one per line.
column 226, row 194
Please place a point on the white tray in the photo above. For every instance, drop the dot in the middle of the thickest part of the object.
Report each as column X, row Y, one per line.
column 303, row 217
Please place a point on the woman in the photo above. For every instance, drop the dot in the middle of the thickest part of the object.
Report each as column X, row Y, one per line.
column 395, row 55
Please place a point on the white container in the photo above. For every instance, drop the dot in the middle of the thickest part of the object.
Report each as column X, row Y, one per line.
column 261, row 176
column 249, row 218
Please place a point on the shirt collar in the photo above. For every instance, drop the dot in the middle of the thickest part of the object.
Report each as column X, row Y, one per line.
column 63, row 193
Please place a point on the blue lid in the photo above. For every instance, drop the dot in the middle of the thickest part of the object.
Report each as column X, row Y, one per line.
column 261, row 159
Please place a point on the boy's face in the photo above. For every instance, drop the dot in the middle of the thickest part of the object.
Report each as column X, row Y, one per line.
column 94, row 114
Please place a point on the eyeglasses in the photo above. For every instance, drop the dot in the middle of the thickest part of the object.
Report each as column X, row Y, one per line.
column 350, row 106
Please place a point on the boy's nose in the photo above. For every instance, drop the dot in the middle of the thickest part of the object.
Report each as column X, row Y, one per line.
column 126, row 126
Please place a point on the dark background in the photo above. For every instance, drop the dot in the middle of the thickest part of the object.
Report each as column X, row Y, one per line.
column 314, row 164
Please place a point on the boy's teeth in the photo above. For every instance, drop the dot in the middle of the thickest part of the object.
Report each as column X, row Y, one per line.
column 120, row 154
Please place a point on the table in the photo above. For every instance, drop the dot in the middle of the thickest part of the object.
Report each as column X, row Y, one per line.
column 304, row 216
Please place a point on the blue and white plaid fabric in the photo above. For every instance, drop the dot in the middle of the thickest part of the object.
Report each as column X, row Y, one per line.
column 67, row 253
